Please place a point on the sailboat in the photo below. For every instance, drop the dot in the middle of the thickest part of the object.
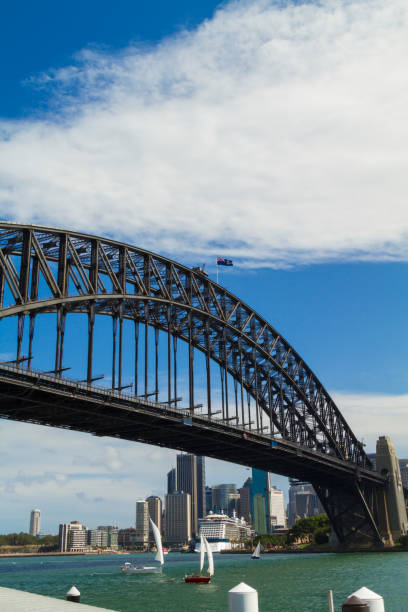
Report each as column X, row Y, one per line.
column 129, row 568
column 204, row 548
column 257, row 552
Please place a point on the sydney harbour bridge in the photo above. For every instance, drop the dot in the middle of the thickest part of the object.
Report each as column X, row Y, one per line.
column 163, row 355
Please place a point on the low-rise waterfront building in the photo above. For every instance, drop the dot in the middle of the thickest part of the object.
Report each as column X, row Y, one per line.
column 72, row 537
column 127, row 538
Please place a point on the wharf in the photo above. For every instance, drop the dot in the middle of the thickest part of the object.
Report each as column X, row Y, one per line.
column 12, row 600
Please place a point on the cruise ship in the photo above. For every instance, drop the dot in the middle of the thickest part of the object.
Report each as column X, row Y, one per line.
column 222, row 531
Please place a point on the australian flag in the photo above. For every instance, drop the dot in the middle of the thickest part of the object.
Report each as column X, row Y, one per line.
column 221, row 261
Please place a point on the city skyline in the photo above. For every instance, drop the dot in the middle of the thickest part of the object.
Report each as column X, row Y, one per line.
column 306, row 195
column 221, row 491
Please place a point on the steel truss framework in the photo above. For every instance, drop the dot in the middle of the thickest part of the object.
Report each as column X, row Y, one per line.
column 45, row 270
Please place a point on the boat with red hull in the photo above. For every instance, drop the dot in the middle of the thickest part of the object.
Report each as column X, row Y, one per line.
column 197, row 578
column 201, row 578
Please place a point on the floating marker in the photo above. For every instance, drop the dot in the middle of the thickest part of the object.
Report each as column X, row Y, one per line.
column 73, row 595
column 375, row 602
column 354, row 604
column 243, row 598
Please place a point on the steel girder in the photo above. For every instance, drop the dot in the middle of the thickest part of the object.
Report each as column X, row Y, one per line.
column 83, row 273
column 349, row 494
column 46, row 270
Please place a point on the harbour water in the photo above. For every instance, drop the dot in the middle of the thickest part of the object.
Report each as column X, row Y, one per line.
column 284, row 582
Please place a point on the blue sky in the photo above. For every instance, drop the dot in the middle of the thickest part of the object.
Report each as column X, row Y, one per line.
column 271, row 133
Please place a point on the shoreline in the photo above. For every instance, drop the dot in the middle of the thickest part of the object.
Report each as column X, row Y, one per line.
column 314, row 551
column 43, row 554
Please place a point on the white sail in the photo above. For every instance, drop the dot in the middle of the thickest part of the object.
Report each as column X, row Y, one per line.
column 202, row 553
column 257, row 551
column 210, row 557
column 157, row 538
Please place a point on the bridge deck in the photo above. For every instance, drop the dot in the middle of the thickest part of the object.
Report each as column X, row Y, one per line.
column 43, row 399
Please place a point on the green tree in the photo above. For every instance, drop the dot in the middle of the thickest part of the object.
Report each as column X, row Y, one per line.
column 404, row 540
column 321, row 537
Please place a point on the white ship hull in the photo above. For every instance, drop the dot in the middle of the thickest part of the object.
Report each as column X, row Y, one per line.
column 216, row 547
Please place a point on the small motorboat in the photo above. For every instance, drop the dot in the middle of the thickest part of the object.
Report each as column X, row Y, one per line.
column 129, row 568
column 202, row 578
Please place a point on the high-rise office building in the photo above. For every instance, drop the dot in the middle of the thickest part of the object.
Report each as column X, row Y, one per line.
column 154, row 504
column 220, row 497
column 177, row 529
column 201, row 501
column 142, row 522
column 72, row 537
column 35, row 520
column 233, row 504
column 208, row 500
column 277, row 509
column 260, row 501
column 244, row 504
column 187, row 482
column 172, row 481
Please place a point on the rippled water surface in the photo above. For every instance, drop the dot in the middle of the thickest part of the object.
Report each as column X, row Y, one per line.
column 285, row 583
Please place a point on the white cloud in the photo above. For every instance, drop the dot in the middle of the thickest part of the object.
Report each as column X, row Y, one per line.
column 277, row 133
column 374, row 415
column 71, row 475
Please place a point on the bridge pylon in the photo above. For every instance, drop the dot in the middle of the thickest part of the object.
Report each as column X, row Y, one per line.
column 392, row 510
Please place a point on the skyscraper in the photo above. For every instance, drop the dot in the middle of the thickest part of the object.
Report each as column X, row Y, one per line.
column 201, row 503
column 187, row 482
column 172, row 481
column 260, row 501
column 220, row 496
column 244, row 504
column 154, row 504
column 233, row 504
column 142, row 522
column 208, row 500
column 277, row 508
column 35, row 520
column 177, row 518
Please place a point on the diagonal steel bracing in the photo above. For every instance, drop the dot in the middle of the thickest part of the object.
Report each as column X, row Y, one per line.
column 266, row 389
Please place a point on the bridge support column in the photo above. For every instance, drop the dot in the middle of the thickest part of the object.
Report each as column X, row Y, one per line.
column 392, row 505
column 352, row 509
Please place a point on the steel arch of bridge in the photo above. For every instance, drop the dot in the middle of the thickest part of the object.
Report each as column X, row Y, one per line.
column 92, row 275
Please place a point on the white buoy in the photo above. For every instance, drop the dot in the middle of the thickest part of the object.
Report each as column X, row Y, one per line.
column 375, row 602
column 73, row 595
column 243, row 598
